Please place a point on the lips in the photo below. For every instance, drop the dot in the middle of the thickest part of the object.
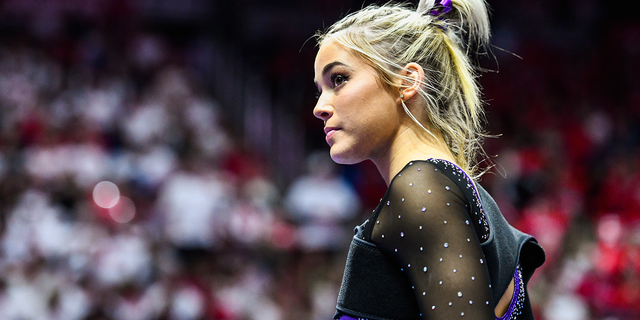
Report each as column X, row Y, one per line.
column 330, row 131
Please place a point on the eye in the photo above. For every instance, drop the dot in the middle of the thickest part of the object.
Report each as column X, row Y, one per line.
column 338, row 79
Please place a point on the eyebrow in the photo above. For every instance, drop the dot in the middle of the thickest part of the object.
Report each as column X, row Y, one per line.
column 331, row 65
column 328, row 67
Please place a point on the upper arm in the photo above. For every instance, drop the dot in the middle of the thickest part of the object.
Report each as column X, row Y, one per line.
column 425, row 227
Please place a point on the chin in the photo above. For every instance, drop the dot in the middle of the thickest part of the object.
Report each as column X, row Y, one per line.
column 344, row 156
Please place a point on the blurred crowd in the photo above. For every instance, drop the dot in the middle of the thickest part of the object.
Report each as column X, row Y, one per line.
column 123, row 196
column 125, row 193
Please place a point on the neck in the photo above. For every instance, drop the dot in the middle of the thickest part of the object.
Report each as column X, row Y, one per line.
column 412, row 143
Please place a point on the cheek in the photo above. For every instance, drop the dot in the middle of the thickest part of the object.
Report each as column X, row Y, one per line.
column 376, row 117
column 372, row 98
column 381, row 107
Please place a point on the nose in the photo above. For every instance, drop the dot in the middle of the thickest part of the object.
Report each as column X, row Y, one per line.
column 323, row 110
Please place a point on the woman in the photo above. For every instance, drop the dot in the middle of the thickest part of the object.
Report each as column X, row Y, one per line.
column 396, row 87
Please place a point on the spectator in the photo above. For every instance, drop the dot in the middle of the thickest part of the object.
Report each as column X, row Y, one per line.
column 321, row 203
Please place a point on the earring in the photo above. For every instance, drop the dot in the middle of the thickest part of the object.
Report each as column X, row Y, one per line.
column 402, row 96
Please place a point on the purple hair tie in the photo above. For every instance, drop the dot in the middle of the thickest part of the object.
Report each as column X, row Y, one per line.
column 441, row 8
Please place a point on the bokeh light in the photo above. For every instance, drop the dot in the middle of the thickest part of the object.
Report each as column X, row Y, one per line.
column 106, row 194
column 123, row 211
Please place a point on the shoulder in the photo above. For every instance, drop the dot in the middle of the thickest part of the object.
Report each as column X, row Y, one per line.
column 420, row 193
column 424, row 193
column 426, row 207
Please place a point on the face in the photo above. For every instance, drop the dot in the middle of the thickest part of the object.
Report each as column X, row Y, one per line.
column 360, row 114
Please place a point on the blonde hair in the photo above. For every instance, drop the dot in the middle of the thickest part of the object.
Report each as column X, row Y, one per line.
column 389, row 37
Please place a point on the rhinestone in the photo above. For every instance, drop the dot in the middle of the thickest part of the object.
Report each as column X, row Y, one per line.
column 399, row 216
column 446, row 245
column 447, row 187
column 400, row 175
column 418, row 169
column 378, row 222
column 402, row 199
column 409, row 265
column 421, row 248
column 383, row 236
column 410, row 163
column 462, row 314
column 429, row 191
column 473, row 278
column 454, row 270
column 401, row 234
column 424, row 209
column 448, row 204
column 424, row 293
column 450, row 303
column 445, row 222
column 388, row 202
column 468, row 240
column 436, row 169
column 396, row 250
column 441, row 282
column 489, row 285
column 459, row 294
column 470, row 302
column 487, row 303
column 424, row 269
column 460, row 256
column 413, row 287
column 467, row 222
column 440, row 259
column 410, row 184
column 420, row 227
column 481, row 261
column 433, row 307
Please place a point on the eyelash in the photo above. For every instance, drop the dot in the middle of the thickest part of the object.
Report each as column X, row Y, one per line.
column 333, row 79
column 335, row 76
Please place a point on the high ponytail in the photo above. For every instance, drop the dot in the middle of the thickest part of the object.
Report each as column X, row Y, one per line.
column 439, row 35
column 471, row 15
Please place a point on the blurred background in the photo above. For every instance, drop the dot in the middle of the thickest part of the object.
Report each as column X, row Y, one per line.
column 159, row 158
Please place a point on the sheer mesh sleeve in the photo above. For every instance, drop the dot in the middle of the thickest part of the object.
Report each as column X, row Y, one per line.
column 424, row 225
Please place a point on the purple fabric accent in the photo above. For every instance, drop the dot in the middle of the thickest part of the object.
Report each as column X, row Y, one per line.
column 345, row 317
column 514, row 299
column 446, row 5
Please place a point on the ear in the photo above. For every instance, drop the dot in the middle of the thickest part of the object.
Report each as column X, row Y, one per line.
column 412, row 78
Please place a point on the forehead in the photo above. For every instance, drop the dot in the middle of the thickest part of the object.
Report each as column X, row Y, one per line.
column 332, row 51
